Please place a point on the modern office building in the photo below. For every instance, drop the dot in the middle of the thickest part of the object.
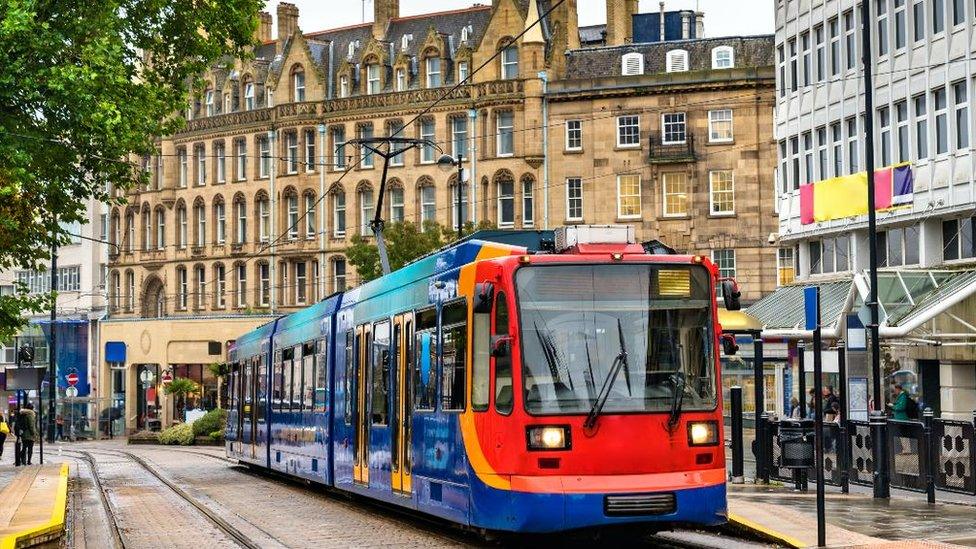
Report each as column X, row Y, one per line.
column 923, row 89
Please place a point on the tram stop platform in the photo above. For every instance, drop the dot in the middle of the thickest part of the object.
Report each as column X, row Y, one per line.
column 789, row 518
column 32, row 504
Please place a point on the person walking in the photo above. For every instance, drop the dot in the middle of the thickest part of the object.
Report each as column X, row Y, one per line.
column 899, row 408
column 27, row 432
column 59, row 428
column 4, row 431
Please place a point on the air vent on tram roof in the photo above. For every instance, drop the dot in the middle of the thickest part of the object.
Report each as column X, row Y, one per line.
column 575, row 235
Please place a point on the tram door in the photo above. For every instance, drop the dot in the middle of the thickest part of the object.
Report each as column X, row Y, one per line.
column 238, row 385
column 247, row 408
column 364, row 344
column 402, row 358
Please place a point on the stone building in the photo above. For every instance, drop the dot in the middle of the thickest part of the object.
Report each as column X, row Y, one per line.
column 253, row 203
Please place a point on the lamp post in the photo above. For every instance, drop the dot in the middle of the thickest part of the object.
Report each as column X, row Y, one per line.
column 446, row 162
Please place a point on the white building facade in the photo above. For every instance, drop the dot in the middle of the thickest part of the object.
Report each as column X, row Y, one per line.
column 924, row 90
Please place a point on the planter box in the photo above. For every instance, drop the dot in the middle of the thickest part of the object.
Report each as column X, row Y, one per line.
column 207, row 441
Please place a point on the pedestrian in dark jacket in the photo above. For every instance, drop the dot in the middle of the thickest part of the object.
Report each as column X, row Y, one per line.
column 27, row 432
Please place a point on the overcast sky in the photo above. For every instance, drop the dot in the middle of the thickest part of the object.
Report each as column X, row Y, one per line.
column 722, row 17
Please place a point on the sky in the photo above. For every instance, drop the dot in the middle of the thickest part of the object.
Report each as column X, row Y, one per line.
column 722, row 17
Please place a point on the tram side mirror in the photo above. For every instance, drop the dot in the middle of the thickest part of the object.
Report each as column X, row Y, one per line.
column 484, row 297
column 729, row 346
column 731, row 294
column 501, row 346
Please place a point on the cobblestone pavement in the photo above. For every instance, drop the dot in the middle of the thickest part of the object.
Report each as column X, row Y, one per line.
column 270, row 512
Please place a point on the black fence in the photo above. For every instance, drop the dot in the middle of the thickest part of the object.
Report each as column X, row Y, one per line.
column 939, row 451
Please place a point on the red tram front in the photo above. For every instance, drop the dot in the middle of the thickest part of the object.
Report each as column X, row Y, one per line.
column 597, row 401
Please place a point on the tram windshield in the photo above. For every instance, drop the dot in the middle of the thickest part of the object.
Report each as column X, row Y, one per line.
column 575, row 319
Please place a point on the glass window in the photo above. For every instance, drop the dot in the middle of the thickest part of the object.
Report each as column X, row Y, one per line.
column 510, row 63
column 339, row 147
column 309, row 150
column 785, row 266
column 503, row 364
column 629, row 196
column 396, row 205
column 673, row 127
column 339, row 214
column 574, row 135
column 372, row 79
column 722, row 192
column 720, row 125
column 574, row 199
column 628, row 131
column 941, row 121
column 918, row 21
column 310, row 225
column 834, row 26
column 401, row 80
column 427, row 150
column 850, row 40
column 348, row 387
column 454, row 355
column 921, row 127
column 300, row 86
column 462, row 71
column 675, row 186
column 425, row 360
column 569, row 353
column 506, row 203
column 264, row 162
column 884, row 120
column 365, row 153
column 722, row 58
column 900, row 31
column 428, row 204
column 459, row 136
column 938, row 16
column 882, row 22
column 480, row 363
column 366, row 207
column 380, row 375
column 433, row 72
column 528, row 210
column 506, row 133
column 962, row 114
column 901, row 118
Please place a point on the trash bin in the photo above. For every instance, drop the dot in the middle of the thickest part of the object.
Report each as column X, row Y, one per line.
column 796, row 443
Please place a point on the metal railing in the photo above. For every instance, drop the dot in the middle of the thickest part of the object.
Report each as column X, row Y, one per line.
column 662, row 152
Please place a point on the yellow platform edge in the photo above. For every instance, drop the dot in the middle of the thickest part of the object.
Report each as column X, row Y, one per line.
column 761, row 530
column 54, row 525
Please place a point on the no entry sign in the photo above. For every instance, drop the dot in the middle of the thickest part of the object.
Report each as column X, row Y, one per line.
column 72, row 379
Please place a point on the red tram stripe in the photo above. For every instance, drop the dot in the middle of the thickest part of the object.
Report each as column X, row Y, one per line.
column 585, row 484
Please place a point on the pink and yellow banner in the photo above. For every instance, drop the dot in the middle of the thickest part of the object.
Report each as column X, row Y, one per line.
column 847, row 196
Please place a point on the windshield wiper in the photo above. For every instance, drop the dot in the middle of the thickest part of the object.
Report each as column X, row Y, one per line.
column 678, row 380
column 619, row 362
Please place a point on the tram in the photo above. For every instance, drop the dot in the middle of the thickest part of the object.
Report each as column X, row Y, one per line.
column 502, row 389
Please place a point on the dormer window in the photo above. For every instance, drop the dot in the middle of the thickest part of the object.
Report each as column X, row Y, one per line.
column 209, row 101
column 226, row 102
column 510, row 62
column 677, row 61
column 401, row 80
column 343, row 86
column 462, row 71
column 723, row 57
column 405, row 42
column 299, row 85
column 270, row 93
column 465, row 34
column 433, row 72
column 372, row 79
column 249, row 96
column 632, row 64
column 351, row 51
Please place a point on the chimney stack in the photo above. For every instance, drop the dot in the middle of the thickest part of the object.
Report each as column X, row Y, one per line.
column 287, row 23
column 384, row 11
column 661, row 21
column 700, row 24
column 620, row 21
column 263, row 32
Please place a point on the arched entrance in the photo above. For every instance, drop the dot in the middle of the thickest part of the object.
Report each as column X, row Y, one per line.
column 153, row 298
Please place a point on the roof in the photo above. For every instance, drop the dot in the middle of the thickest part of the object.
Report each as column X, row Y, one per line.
column 906, row 294
column 604, row 61
column 783, row 309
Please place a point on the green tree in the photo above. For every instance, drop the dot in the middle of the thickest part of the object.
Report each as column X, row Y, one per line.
column 219, row 370
column 85, row 87
column 182, row 388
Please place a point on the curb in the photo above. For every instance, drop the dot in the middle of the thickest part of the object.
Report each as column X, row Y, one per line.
column 764, row 532
column 51, row 530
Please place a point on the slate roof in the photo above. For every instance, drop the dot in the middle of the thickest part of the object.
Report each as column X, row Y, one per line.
column 597, row 62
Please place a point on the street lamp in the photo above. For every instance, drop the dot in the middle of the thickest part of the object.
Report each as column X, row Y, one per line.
column 446, row 163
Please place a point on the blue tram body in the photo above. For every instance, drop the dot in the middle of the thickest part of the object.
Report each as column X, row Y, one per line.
column 370, row 392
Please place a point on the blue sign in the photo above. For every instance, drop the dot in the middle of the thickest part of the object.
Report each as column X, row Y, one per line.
column 811, row 307
column 115, row 351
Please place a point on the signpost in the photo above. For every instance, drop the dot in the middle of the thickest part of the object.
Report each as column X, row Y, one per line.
column 147, row 378
column 167, row 377
column 811, row 302
column 72, row 379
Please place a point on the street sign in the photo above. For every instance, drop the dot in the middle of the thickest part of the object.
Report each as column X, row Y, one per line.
column 147, row 377
column 167, row 378
column 71, row 392
column 72, row 379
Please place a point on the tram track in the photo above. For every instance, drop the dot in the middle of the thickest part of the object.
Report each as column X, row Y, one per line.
column 120, row 542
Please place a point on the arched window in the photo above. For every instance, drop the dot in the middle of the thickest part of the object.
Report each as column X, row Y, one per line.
column 298, row 83
column 114, row 232
column 291, row 213
column 528, row 200
column 248, row 90
column 455, row 207
column 182, row 289
column 181, row 225
column 395, row 198
column 160, row 228
column 373, row 81
column 130, row 231
column 677, row 61
column 240, row 279
column 632, row 64
column 432, row 66
column 200, row 221
column 240, row 215
column 130, row 291
column 208, row 101
column 339, row 213
column 219, row 283
column 367, row 206
column 427, row 200
column 263, row 207
column 723, row 57
column 505, row 198
column 311, row 228
column 220, row 220
column 200, row 280
column 115, row 292
column 147, row 232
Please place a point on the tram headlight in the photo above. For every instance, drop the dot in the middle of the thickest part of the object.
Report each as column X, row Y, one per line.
column 548, row 437
column 703, row 433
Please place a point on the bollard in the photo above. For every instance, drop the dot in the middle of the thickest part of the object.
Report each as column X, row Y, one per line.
column 879, row 445
column 843, row 440
column 762, row 450
column 928, row 454
column 735, row 396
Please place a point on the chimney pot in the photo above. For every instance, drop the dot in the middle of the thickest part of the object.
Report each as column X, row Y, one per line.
column 287, row 23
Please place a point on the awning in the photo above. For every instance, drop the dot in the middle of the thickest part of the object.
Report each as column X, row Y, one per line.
column 781, row 313
column 908, row 299
column 115, row 351
column 738, row 321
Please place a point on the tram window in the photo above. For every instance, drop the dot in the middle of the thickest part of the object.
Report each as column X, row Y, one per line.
column 308, row 375
column 425, row 371
column 321, row 377
column 480, row 373
column 277, row 377
column 503, row 364
column 286, row 378
column 380, row 377
column 454, row 345
column 261, row 371
column 426, row 319
column 408, row 341
column 350, row 357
